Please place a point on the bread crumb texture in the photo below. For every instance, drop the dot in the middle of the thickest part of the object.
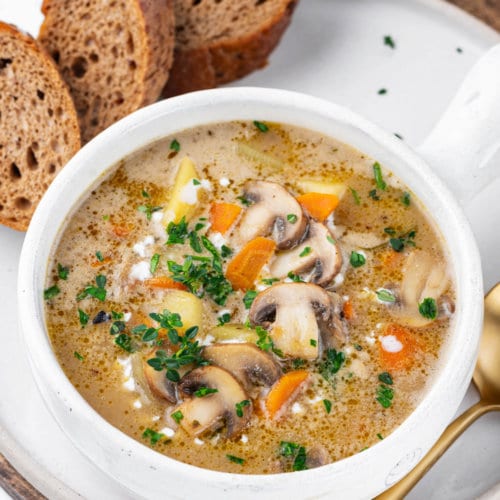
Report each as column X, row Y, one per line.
column 218, row 41
column 38, row 126
column 115, row 55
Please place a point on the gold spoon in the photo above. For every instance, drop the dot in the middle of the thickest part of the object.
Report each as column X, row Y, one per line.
column 487, row 379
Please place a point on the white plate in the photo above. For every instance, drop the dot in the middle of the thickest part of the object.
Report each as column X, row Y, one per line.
column 334, row 49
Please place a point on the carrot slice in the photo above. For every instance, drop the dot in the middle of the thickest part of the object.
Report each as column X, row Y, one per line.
column 122, row 230
column 404, row 340
column 222, row 216
column 284, row 391
column 390, row 258
column 347, row 309
column 243, row 270
column 164, row 282
column 318, row 205
column 99, row 263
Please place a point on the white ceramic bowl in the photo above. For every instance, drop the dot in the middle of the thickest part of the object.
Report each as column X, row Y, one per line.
column 151, row 475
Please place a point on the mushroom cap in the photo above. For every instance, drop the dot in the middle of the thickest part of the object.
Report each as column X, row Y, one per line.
column 213, row 411
column 322, row 256
column 274, row 211
column 158, row 382
column 249, row 364
column 297, row 316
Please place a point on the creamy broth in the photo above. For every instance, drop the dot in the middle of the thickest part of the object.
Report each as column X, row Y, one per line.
column 384, row 299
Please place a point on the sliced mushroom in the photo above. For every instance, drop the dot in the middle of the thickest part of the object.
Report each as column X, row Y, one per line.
column 299, row 317
column 274, row 211
column 216, row 410
column 423, row 277
column 318, row 253
column 250, row 365
column 317, row 456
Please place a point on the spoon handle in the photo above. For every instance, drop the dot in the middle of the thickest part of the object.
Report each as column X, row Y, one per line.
column 451, row 433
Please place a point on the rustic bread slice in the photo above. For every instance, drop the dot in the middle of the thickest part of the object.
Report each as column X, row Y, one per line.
column 115, row 55
column 38, row 125
column 218, row 42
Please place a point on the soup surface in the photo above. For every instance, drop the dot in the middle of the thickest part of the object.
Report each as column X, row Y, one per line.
column 250, row 297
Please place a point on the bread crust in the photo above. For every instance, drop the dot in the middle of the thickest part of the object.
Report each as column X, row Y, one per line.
column 102, row 97
column 38, row 125
column 226, row 60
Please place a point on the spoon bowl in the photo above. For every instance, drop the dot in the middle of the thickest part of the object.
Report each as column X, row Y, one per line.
column 486, row 377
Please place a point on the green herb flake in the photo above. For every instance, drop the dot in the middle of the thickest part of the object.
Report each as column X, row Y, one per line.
column 459, row 50
column 298, row 363
column 397, row 244
column 269, row 281
column 355, row 195
column 386, row 378
column 196, row 182
column 105, row 217
column 385, row 395
column 294, row 452
column 406, row 199
column 428, row 308
column 62, row 272
column 313, row 342
column 382, row 91
column 239, row 407
column 385, row 295
column 399, row 136
column 177, row 233
column 153, row 265
column 205, row 391
column 145, row 194
column 295, row 277
column 328, row 405
column 373, row 195
column 149, row 210
column 390, row 231
column 305, row 252
column 78, row 356
column 357, row 259
column 225, row 251
column 331, row 363
column 175, row 146
column 261, row 126
column 124, row 341
column 249, row 297
column 98, row 292
column 223, row 319
column 153, row 436
column 380, row 436
column 236, row 460
column 292, row 218
column 177, row 416
column 389, row 41
column 83, row 317
column 244, row 201
column 51, row 292
column 99, row 256
column 358, row 347
column 331, row 240
column 379, row 179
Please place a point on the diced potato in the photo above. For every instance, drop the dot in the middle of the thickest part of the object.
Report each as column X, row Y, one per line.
column 185, row 193
column 233, row 332
column 336, row 188
column 187, row 305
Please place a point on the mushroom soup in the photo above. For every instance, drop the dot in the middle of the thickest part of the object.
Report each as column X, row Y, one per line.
column 251, row 298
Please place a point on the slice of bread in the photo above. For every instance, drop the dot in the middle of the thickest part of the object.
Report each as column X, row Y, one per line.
column 115, row 55
column 38, row 125
column 220, row 41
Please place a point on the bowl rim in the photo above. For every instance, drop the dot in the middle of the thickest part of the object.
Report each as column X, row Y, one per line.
column 48, row 372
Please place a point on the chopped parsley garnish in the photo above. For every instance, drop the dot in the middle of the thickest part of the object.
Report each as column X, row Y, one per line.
column 149, row 210
column 358, row 347
column 269, row 281
column 406, row 199
column 388, row 40
column 313, row 342
column 177, row 416
column 239, row 407
column 328, row 405
column 83, row 317
column 397, row 244
column 117, row 315
column 407, row 239
column 145, row 194
column 98, row 292
column 153, row 265
column 51, row 292
column 265, row 342
column 225, row 251
column 249, row 297
column 117, row 327
column 78, row 356
column 295, row 277
column 380, row 436
column 331, row 363
column 357, row 259
column 355, row 195
column 244, row 201
column 385, row 395
column 105, row 217
column 224, row 318
column 196, row 182
column 195, row 242
column 294, row 453
column 175, row 146
column 99, row 256
column 386, row 378
column 177, row 233
column 373, row 195
column 428, row 308
column 204, row 391
column 153, row 436
column 399, row 136
column 261, row 126
column 390, row 231
column 385, row 295
column 292, row 218
column 62, row 272
column 379, row 179
column 331, row 240
column 382, row 91
column 305, row 252
column 236, row 460
column 298, row 363
column 125, row 342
